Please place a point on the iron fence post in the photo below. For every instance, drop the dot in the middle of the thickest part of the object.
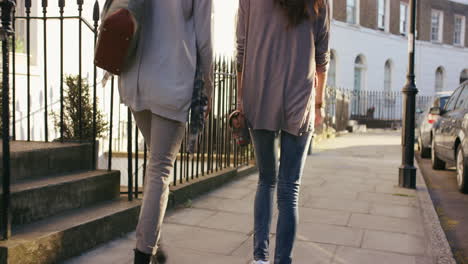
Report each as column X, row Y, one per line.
column 96, row 15
column 7, row 7
column 407, row 171
column 61, row 4
column 46, row 114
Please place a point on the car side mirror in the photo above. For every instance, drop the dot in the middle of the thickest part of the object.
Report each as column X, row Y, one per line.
column 436, row 110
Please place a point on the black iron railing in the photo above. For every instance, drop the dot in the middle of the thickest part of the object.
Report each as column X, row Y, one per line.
column 215, row 151
column 379, row 108
column 7, row 8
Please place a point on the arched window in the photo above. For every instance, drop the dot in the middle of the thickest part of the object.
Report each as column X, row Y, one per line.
column 439, row 79
column 359, row 72
column 357, row 105
column 331, row 78
column 388, row 76
column 389, row 96
column 464, row 76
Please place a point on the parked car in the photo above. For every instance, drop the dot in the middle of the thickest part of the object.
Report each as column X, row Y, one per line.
column 449, row 142
column 425, row 122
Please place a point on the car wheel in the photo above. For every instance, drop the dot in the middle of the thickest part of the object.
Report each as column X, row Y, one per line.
column 437, row 164
column 462, row 171
column 425, row 151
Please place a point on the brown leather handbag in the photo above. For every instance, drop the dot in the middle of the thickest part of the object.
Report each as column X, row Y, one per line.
column 118, row 34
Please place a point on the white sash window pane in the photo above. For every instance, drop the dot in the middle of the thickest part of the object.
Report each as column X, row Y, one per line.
column 436, row 26
column 351, row 11
column 381, row 14
column 403, row 18
column 458, row 30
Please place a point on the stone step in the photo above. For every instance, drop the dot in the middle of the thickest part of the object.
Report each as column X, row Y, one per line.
column 40, row 159
column 69, row 234
column 36, row 199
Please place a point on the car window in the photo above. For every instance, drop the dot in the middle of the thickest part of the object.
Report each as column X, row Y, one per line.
column 453, row 100
column 462, row 99
column 443, row 101
column 465, row 103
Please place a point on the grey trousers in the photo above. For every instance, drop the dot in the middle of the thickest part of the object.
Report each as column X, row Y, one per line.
column 163, row 137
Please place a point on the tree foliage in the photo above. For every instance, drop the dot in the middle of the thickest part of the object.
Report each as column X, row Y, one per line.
column 71, row 111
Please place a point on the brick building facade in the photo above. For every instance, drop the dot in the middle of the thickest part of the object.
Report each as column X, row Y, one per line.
column 369, row 44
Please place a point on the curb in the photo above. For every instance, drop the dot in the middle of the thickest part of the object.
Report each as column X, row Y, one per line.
column 439, row 248
column 185, row 192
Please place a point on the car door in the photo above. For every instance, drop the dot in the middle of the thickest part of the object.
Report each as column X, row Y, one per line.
column 442, row 125
column 455, row 119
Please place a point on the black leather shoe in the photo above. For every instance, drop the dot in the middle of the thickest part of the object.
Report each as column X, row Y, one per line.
column 141, row 258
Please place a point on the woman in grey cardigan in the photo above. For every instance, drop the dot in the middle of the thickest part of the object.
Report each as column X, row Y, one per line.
column 282, row 53
column 158, row 87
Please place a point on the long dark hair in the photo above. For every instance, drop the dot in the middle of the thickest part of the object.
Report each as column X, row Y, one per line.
column 297, row 10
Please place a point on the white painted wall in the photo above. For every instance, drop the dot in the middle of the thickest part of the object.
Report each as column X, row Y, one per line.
column 349, row 41
column 430, row 56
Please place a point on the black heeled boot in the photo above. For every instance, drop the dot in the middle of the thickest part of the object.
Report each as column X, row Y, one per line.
column 160, row 257
column 141, row 258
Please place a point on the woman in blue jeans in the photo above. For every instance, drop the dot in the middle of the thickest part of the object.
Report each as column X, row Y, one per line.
column 282, row 56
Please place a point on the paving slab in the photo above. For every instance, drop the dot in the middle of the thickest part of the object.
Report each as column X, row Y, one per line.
column 189, row 216
column 202, row 239
column 350, row 255
column 310, row 215
column 233, row 192
column 338, row 204
column 235, row 222
column 394, row 211
column 394, row 242
column 386, row 223
column 384, row 198
column 330, row 234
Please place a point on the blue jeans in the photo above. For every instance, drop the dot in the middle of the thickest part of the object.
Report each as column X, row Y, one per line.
column 288, row 178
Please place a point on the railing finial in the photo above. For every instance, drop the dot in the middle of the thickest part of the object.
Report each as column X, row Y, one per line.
column 7, row 8
column 45, row 3
column 96, row 13
column 61, row 4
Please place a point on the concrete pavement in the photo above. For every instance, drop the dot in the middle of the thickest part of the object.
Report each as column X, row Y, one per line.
column 350, row 213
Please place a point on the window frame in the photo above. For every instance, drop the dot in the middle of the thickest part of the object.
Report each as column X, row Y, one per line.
column 331, row 74
column 462, row 30
column 405, row 21
column 388, row 76
column 442, row 80
column 355, row 12
column 440, row 26
column 381, row 16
